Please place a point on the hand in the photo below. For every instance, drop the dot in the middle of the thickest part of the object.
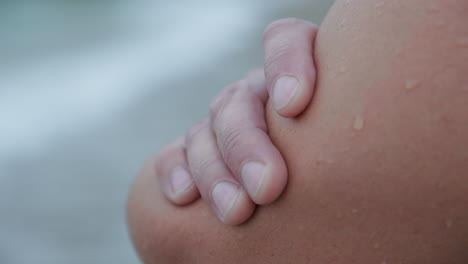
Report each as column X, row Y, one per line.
column 228, row 158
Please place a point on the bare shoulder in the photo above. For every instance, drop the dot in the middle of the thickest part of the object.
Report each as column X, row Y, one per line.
column 377, row 164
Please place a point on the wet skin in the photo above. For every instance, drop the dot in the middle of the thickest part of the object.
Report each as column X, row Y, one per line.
column 377, row 164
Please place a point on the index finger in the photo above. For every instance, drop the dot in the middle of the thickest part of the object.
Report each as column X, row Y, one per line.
column 289, row 64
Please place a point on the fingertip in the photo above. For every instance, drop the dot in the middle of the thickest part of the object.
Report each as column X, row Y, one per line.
column 241, row 211
column 273, row 185
column 289, row 64
column 291, row 96
column 171, row 170
column 184, row 196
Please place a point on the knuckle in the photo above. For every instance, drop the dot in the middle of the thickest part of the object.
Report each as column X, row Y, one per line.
column 165, row 154
column 255, row 71
column 203, row 165
column 223, row 97
column 271, row 29
column 230, row 140
column 239, row 93
column 216, row 105
column 273, row 58
column 194, row 130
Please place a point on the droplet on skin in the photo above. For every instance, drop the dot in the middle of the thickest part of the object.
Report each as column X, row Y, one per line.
column 433, row 8
column 339, row 215
column 343, row 69
column 342, row 24
column 358, row 123
column 462, row 42
column 398, row 52
column 411, row 84
column 448, row 223
column 346, row 149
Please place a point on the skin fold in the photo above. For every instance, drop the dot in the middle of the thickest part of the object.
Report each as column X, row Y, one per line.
column 378, row 163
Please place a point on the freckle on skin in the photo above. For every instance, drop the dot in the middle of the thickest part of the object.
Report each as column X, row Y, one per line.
column 358, row 123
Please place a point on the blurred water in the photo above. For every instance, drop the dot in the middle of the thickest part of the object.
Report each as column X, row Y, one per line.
column 88, row 90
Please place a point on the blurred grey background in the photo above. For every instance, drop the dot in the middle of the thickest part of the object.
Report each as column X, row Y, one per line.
column 89, row 90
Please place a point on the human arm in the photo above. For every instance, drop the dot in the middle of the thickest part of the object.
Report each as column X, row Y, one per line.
column 377, row 167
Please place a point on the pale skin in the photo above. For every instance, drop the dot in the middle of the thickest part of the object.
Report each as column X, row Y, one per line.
column 377, row 163
column 229, row 158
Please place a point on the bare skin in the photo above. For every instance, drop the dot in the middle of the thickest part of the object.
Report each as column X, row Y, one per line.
column 377, row 167
column 229, row 158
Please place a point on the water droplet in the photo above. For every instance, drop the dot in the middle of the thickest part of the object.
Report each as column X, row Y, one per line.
column 448, row 223
column 398, row 51
column 358, row 123
column 462, row 42
column 342, row 24
column 411, row 84
column 379, row 3
column 433, row 8
column 339, row 215
column 345, row 149
column 241, row 236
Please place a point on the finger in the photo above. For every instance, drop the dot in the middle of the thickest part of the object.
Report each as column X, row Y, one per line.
column 172, row 169
column 241, row 133
column 258, row 87
column 289, row 64
column 224, row 194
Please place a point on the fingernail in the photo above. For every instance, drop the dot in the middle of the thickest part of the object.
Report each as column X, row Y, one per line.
column 224, row 195
column 252, row 175
column 284, row 90
column 180, row 180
